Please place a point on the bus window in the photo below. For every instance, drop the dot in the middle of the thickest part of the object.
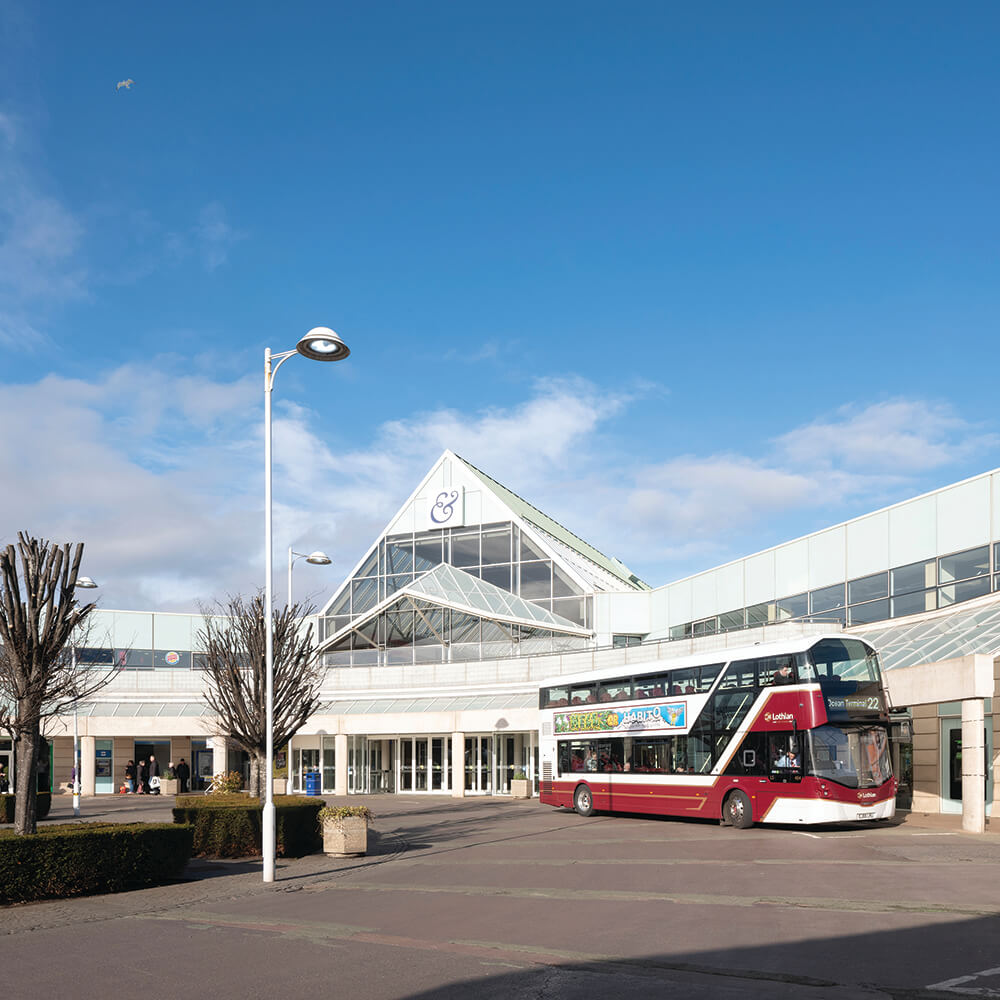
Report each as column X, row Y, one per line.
column 555, row 697
column 583, row 695
column 615, row 691
column 651, row 687
column 785, row 757
column 740, row 675
column 776, row 670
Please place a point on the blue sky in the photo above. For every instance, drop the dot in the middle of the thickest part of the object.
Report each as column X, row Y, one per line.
column 694, row 279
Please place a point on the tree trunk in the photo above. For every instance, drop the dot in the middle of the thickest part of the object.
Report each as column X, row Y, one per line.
column 257, row 768
column 26, row 791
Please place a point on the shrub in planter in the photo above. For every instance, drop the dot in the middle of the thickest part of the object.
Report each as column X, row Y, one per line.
column 229, row 826
column 79, row 859
column 345, row 829
column 42, row 807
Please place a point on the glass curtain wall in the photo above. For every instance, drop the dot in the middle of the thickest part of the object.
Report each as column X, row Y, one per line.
column 412, row 632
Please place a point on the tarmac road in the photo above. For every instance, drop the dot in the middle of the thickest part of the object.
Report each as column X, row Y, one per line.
column 490, row 898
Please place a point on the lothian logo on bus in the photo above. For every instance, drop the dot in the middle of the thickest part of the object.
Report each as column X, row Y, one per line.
column 779, row 717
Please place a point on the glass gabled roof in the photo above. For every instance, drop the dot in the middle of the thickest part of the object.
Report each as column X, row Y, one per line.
column 939, row 636
column 448, row 587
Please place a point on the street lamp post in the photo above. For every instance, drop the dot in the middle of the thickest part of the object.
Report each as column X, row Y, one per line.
column 84, row 583
column 319, row 344
column 317, row 558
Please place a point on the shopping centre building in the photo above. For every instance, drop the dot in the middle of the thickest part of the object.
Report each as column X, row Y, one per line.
column 437, row 641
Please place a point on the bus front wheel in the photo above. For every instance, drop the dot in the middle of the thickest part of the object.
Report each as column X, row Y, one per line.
column 583, row 801
column 738, row 811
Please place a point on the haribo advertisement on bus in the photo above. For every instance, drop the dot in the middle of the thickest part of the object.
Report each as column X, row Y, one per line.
column 648, row 718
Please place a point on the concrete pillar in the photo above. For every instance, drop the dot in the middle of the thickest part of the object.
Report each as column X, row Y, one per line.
column 88, row 765
column 220, row 759
column 973, row 766
column 340, row 754
column 458, row 765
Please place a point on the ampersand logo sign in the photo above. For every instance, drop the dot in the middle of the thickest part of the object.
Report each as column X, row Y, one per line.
column 444, row 506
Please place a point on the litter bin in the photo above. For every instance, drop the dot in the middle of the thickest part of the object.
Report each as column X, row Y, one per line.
column 312, row 782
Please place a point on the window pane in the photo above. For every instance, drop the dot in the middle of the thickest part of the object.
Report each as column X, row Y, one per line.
column 427, row 551
column 370, row 567
column 827, row 598
column 529, row 550
column 792, row 607
column 365, row 595
column 731, row 619
column 708, row 626
column 499, row 576
column 761, row 614
column 957, row 592
column 399, row 554
column 873, row 611
column 496, row 545
column 963, row 565
column 868, row 588
column 465, row 548
column 571, row 608
column 536, row 580
column 912, row 604
column 915, row 576
column 562, row 585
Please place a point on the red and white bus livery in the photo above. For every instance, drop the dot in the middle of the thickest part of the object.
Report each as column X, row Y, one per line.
column 787, row 732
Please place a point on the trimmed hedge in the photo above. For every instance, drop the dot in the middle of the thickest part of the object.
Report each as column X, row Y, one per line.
column 229, row 826
column 41, row 809
column 82, row 859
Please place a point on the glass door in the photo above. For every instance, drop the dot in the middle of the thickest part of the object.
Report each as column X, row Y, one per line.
column 406, row 755
column 477, row 763
column 329, row 766
column 304, row 761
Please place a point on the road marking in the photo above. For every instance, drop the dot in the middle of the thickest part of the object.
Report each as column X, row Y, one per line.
column 957, row 985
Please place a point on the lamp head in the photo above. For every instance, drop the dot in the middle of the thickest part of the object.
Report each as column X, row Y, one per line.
column 322, row 344
column 318, row 558
column 85, row 583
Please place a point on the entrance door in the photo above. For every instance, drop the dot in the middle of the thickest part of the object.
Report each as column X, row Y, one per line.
column 305, row 761
column 381, row 773
column 478, row 757
column 951, row 766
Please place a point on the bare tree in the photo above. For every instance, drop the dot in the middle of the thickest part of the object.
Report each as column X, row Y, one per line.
column 233, row 644
column 39, row 676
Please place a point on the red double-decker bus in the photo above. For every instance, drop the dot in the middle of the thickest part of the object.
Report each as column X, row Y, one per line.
column 786, row 732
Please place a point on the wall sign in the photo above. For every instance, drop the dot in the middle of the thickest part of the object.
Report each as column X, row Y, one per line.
column 447, row 508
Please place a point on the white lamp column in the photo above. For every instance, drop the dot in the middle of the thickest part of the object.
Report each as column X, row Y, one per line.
column 319, row 344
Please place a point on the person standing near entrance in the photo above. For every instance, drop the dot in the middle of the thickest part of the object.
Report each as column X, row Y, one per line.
column 143, row 777
column 130, row 777
column 154, row 772
column 183, row 772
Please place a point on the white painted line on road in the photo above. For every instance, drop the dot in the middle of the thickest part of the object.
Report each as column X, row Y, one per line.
column 933, row 834
column 801, row 833
column 958, row 985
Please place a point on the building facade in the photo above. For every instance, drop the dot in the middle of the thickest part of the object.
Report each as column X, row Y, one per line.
column 436, row 641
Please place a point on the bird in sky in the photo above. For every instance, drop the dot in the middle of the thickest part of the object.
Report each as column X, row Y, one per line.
column 127, row 84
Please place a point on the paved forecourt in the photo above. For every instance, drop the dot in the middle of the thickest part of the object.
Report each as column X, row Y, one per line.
column 497, row 898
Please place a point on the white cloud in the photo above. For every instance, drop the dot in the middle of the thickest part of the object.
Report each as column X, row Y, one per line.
column 160, row 474
column 214, row 236
column 898, row 435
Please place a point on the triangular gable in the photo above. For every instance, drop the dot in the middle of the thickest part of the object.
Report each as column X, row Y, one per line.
column 455, row 494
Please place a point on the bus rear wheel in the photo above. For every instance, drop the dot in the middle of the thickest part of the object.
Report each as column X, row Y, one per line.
column 738, row 811
column 583, row 801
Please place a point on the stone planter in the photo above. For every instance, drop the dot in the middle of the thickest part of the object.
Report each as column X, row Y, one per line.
column 520, row 788
column 168, row 786
column 345, row 837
